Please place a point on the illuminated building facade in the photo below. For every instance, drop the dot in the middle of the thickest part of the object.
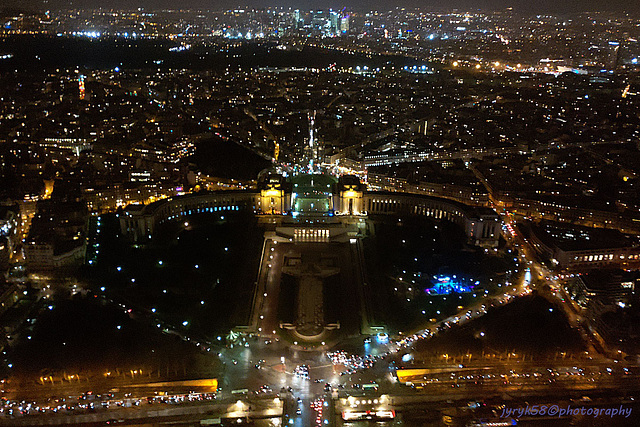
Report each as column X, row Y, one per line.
column 272, row 195
column 573, row 247
column 481, row 225
column 349, row 196
column 603, row 295
column 9, row 237
column 316, row 196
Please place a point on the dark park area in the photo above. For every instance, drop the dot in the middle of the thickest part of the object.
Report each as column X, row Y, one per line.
column 404, row 257
column 86, row 342
column 197, row 276
column 530, row 325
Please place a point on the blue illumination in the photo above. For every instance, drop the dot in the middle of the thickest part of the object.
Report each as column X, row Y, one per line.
column 382, row 338
column 445, row 285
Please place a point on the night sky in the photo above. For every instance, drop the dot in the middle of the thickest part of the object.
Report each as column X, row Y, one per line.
column 526, row 6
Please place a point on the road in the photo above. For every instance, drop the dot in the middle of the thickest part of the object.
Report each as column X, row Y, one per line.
column 556, row 294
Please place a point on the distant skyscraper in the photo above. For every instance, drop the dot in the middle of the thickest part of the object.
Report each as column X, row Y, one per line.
column 344, row 24
column 334, row 18
column 318, row 20
column 617, row 56
column 297, row 20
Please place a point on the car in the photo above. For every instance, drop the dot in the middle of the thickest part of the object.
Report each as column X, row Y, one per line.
column 264, row 389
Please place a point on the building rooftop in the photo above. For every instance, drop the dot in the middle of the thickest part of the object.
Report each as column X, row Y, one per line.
column 610, row 280
column 575, row 238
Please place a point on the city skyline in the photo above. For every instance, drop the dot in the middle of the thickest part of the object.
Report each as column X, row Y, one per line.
column 520, row 6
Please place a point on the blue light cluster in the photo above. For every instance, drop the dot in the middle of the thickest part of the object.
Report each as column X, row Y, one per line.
column 416, row 69
column 445, row 285
column 90, row 34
